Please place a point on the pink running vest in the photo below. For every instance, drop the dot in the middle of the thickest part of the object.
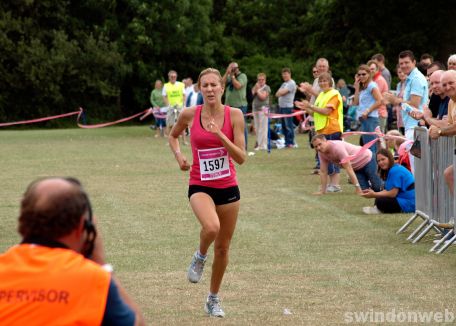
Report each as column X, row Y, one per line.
column 212, row 166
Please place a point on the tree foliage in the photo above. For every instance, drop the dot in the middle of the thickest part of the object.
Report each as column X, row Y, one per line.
column 104, row 55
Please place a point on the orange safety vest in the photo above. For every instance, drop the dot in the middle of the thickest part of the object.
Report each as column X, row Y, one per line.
column 51, row 286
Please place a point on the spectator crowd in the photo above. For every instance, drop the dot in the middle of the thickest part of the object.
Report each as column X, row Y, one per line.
column 385, row 117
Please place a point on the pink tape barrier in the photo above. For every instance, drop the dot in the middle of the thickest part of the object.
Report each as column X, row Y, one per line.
column 368, row 145
column 362, row 150
column 277, row 115
column 7, row 124
column 264, row 110
column 156, row 114
column 101, row 125
column 159, row 116
column 294, row 114
column 305, row 126
column 79, row 113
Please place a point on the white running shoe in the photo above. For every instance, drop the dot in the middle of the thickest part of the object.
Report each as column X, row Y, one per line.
column 195, row 270
column 213, row 308
column 333, row 188
column 371, row 210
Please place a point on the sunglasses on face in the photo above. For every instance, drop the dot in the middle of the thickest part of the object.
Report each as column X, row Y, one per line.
column 359, row 75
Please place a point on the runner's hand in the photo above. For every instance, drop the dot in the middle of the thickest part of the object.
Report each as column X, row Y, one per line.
column 182, row 161
column 212, row 127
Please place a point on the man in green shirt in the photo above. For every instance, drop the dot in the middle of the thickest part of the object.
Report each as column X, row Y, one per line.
column 236, row 90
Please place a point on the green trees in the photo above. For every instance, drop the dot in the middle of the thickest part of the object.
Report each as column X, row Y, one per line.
column 47, row 67
column 104, row 55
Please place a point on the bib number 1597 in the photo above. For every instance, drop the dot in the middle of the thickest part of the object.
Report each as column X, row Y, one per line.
column 212, row 165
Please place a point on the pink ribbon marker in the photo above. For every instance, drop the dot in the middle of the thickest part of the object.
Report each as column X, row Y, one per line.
column 79, row 113
column 6, row 124
column 368, row 145
column 101, row 125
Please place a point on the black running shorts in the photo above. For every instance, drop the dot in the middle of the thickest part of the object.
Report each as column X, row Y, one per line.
column 219, row 196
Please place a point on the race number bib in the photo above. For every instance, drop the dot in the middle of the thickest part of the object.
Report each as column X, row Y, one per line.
column 214, row 163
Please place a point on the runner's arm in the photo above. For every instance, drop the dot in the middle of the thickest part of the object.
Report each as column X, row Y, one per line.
column 236, row 149
column 183, row 121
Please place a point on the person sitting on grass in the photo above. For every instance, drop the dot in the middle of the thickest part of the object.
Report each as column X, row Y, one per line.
column 399, row 193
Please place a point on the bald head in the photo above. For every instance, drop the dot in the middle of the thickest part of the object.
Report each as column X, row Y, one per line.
column 51, row 208
column 448, row 83
column 434, row 83
column 49, row 190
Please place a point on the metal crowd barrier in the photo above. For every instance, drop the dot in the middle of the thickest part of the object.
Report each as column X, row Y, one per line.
column 423, row 180
column 450, row 237
column 434, row 202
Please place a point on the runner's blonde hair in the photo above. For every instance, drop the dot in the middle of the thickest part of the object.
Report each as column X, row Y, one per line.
column 210, row 71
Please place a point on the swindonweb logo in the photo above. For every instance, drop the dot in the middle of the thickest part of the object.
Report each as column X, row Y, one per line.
column 393, row 316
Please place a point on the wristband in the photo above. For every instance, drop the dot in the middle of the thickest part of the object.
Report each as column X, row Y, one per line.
column 108, row 268
column 177, row 152
column 357, row 185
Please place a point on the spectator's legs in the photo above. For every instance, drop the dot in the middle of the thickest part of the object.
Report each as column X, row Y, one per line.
column 449, row 178
column 367, row 174
column 369, row 125
column 382, row 122
column 256, row 125
column 362, row 179
column 390, row 118
column 287, row 126
column 334, row 179
column 371, row 173
column 409, row 134
column 317, row 160
column 262, row 131
column 246, row 129
column 333, row 169
column 388, row 205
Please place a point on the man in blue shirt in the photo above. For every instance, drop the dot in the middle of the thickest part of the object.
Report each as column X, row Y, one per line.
column 415, row 94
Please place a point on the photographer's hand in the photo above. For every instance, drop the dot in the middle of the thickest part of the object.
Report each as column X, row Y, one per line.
column 98, row 254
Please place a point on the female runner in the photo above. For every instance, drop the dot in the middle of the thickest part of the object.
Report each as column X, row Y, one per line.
column 217, row 138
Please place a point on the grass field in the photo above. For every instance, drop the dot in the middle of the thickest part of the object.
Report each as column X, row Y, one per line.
column 319, row 257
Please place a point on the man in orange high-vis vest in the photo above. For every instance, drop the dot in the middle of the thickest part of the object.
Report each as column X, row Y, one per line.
column 48, row 279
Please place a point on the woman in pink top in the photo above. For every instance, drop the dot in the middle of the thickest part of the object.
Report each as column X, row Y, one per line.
column 217, row 138
column 360, row 164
